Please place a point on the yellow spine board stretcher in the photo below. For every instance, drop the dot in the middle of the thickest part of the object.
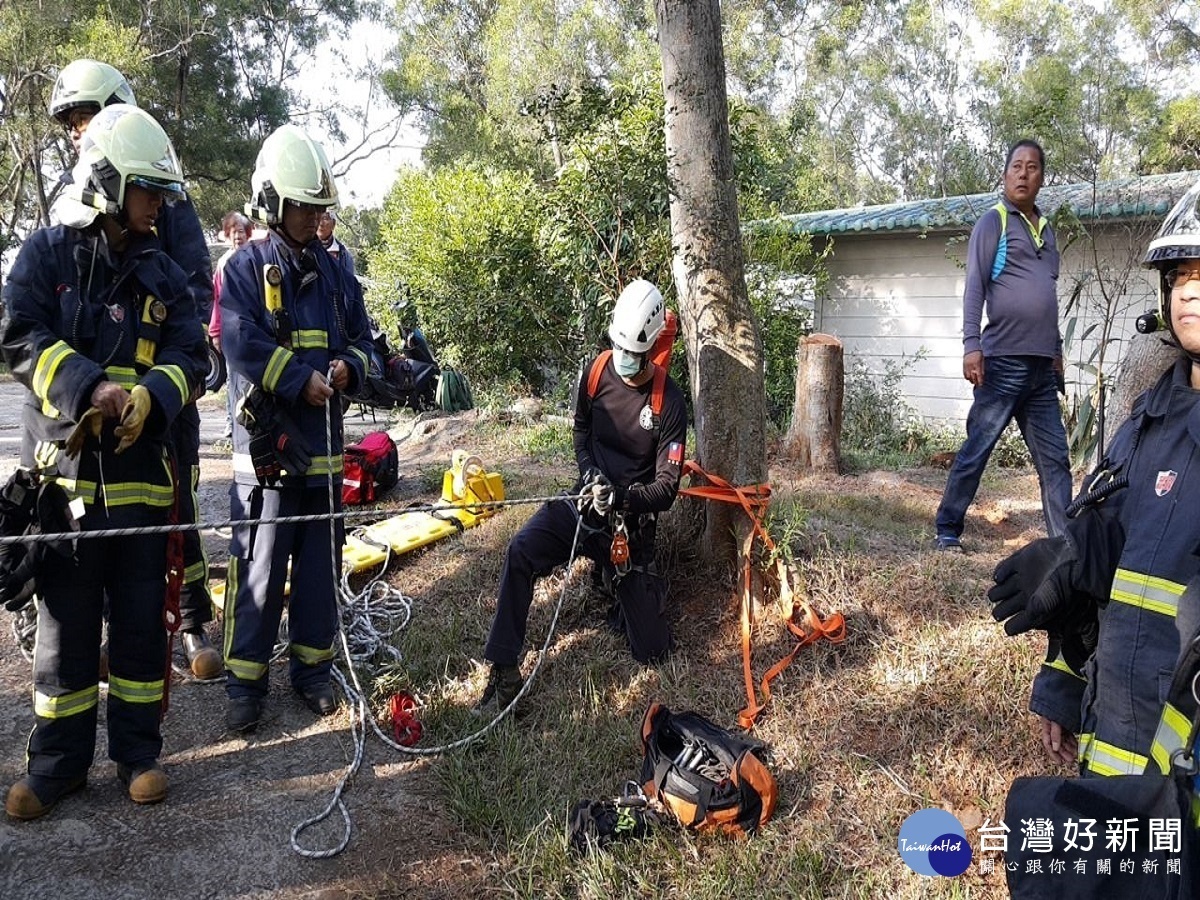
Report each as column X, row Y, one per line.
column 465, row 482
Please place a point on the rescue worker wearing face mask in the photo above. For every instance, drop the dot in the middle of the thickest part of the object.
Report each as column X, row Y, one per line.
column 1111, row 592
column 82, row 89
column 290, row 316
column 630, row 458
column 100, row 329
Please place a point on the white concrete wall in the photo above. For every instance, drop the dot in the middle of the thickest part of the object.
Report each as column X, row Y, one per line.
column 892, row 297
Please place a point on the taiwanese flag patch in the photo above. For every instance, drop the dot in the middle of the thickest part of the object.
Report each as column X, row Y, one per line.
column 675, row 453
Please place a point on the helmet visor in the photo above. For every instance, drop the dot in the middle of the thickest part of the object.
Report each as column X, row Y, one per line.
column 171, row 190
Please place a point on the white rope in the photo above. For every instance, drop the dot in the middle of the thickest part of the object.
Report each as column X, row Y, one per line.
column 368, row 620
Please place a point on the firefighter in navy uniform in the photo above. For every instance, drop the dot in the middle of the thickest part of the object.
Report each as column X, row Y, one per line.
column 630, row 462
column 295, row 333
column 82, row 89
column 1113, row 593
column 99, row 327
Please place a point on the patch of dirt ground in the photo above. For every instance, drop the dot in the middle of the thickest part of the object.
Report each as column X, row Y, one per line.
column 225, row 828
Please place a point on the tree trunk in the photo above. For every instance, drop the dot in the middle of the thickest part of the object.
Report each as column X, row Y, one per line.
column 1145, row 359
column 813, row 439
column 725, row 357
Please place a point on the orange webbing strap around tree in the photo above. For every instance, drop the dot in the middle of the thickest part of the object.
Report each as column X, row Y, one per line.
column 797, row 614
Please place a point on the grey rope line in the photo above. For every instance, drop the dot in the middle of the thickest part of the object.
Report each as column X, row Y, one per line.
column 355, row 617
column 278, row 520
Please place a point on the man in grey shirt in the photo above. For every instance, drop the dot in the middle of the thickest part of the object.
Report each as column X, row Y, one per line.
column 1016, row 363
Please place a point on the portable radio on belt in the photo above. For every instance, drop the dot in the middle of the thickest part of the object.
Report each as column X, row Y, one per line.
column 273, row 296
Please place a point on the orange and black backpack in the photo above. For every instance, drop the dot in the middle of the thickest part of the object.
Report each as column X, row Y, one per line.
column 709, row 778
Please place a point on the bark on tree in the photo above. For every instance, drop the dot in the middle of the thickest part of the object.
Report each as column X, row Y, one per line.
column 814, row 436
column 724, row 350
column 1145, row 359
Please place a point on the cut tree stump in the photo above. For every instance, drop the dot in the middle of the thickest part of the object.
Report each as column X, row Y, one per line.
column 814, row 437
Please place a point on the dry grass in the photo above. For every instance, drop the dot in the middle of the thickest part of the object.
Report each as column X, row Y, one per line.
column 923, row 705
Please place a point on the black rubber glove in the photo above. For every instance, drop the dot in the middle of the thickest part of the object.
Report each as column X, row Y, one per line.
column 262, row 458
column 1033, row 585
column 1058, row 584
column 289, row 447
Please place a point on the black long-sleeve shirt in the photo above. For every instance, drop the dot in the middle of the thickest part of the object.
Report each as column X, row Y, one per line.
column 615, row 433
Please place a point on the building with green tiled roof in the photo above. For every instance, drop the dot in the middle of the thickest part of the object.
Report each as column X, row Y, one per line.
column 897, row 272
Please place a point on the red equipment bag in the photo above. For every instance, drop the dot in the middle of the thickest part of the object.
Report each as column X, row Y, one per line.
column 372, row 466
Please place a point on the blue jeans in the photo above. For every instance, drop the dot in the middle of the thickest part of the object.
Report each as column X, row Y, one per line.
column 1024, row 388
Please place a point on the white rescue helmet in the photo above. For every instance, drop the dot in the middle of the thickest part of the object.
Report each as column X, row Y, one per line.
column 638, row 316
column 1178, row 239
column 123, row 145
column 290, row 166
column 88, row 83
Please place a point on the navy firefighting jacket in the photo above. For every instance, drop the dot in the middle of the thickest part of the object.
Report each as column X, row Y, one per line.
column 1118, row 704
column 323, row 307
column 76, row 314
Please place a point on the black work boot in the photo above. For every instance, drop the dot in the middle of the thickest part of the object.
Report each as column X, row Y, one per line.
column 504, row 683
column 243, row 714
column 319, row 698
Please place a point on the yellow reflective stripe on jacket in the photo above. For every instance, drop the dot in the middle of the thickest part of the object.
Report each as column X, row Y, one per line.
column 47, row 367
column 197, row 571
column 325, row 465
column 1172, row 734
column 175, row 375
column 1103, row 758
column 310, row 656
column 275, row 366
column 44, row 371
column 135, row 691
column 362, row 357
column 125, row 376
column 321, row 465
column 138, row 493
column 310, row 338
column 147, row 349
column 1147, row 592
column 65, row 705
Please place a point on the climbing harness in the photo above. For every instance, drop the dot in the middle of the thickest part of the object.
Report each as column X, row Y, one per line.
column 797, row 614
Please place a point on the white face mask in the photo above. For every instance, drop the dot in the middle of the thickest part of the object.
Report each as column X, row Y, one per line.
column 627, row 364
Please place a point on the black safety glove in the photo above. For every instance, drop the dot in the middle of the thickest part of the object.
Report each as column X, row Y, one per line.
column 288, row 445
column 262, row 457
column 18, row 506
column 1033, row 585
column 1058, row 585
column 276, row 444
column 602, row 497
column 49, row 512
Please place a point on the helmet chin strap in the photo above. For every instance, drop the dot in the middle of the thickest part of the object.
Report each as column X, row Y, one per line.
column 288, row 236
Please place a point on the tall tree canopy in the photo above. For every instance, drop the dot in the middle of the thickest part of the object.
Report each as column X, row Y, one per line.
column 218, row 74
